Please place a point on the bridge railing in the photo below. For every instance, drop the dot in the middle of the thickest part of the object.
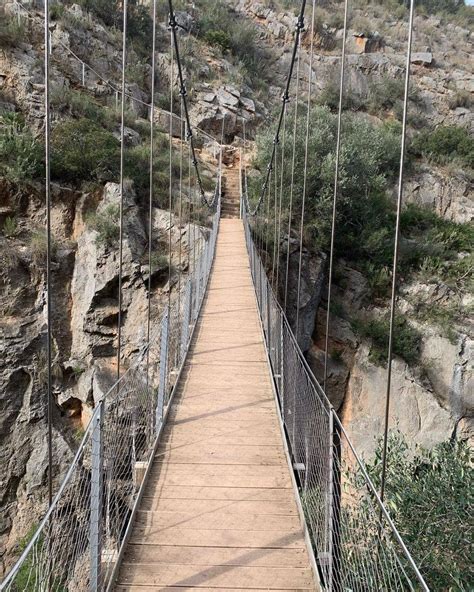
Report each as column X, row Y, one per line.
column 356, row 545
column 78, row 545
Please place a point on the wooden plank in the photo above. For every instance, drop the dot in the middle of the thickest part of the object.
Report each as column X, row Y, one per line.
column 289, row 578
column 206, row 492
column 205, row 506
column 260, row 539
column 157, row 555
column 224, row 519
column 216, row 480
column 152, row 588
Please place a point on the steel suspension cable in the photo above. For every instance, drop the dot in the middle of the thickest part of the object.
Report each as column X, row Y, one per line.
column 282, row 172
column 396, row 251
column 183, row 93
column 276, row 140
column 150, row 205
column 180, row 210
column 336, row 187
column 275, row 222
column 170, row 171
column 305, row 170
column 122, row 162
column 49, row 319
column 292, row 181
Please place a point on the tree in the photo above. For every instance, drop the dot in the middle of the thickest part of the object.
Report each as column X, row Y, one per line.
column 430, row 496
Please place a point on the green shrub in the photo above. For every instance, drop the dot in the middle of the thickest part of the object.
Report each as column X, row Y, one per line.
column 137, row 168
column 106, row 224
column 430, row 495
column 139, row 23
column 12, row 31
column 39, row 246
column 82, row 150
column 369, row 163
column 219, row 25
column 219, row 38
column 10, row 227
column 444, row 144
column 56, row 12
column 462, row 98
column 21, row 155
column 406, row 339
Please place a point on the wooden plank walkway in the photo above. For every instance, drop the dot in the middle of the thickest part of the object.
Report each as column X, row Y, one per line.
column 219, row 511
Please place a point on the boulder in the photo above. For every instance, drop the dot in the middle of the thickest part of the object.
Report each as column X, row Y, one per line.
column 422, row 58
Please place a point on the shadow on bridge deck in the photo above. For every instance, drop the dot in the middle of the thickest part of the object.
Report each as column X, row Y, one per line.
column 219, row 509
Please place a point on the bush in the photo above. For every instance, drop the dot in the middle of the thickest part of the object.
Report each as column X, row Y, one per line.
column 406, row 339
column 82, row 150
column 430, row 495
column 369, row 163
column 218, row 25
column 139, row 23
column 21, row 155
column 10, row 227
column 39, row 246
column 219, row 38
column 137, row 168
column 462, row 98
column 444, row 144
column 106, row 223
column 12, row 32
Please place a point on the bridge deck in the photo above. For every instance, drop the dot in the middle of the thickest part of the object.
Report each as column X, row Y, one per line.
column 219, row 510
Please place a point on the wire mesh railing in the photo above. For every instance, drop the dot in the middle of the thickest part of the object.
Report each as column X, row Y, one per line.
column 79, row 542
column 356, row 545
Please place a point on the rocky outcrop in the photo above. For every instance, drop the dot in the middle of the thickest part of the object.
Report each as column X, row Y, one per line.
column 224, row 110
column 413, row 409
column 451, row 196
column 303, row 297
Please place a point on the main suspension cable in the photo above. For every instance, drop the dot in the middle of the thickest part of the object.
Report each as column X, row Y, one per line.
column 183, row 92
column 285, row 97
column 336, row 187
column 305, row 171
column 396, row 251
column 122, row 162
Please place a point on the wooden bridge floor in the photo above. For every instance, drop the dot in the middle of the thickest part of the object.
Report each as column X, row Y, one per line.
column 219, row 511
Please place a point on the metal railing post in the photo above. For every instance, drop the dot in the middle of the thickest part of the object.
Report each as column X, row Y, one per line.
column 197, row 298
column 186, row 315
column 334, row 572
column 163, row 369
column 95, row 527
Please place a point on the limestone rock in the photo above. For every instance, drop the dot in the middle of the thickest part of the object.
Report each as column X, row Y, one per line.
column 313, row 270
column 413, row 409
column 424, row 58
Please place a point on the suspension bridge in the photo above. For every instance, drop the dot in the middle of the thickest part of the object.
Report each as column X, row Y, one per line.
column 216, row 460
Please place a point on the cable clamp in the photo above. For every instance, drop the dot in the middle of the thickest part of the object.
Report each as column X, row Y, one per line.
column 172, row 21
column 182, row 91
column 300, row 23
